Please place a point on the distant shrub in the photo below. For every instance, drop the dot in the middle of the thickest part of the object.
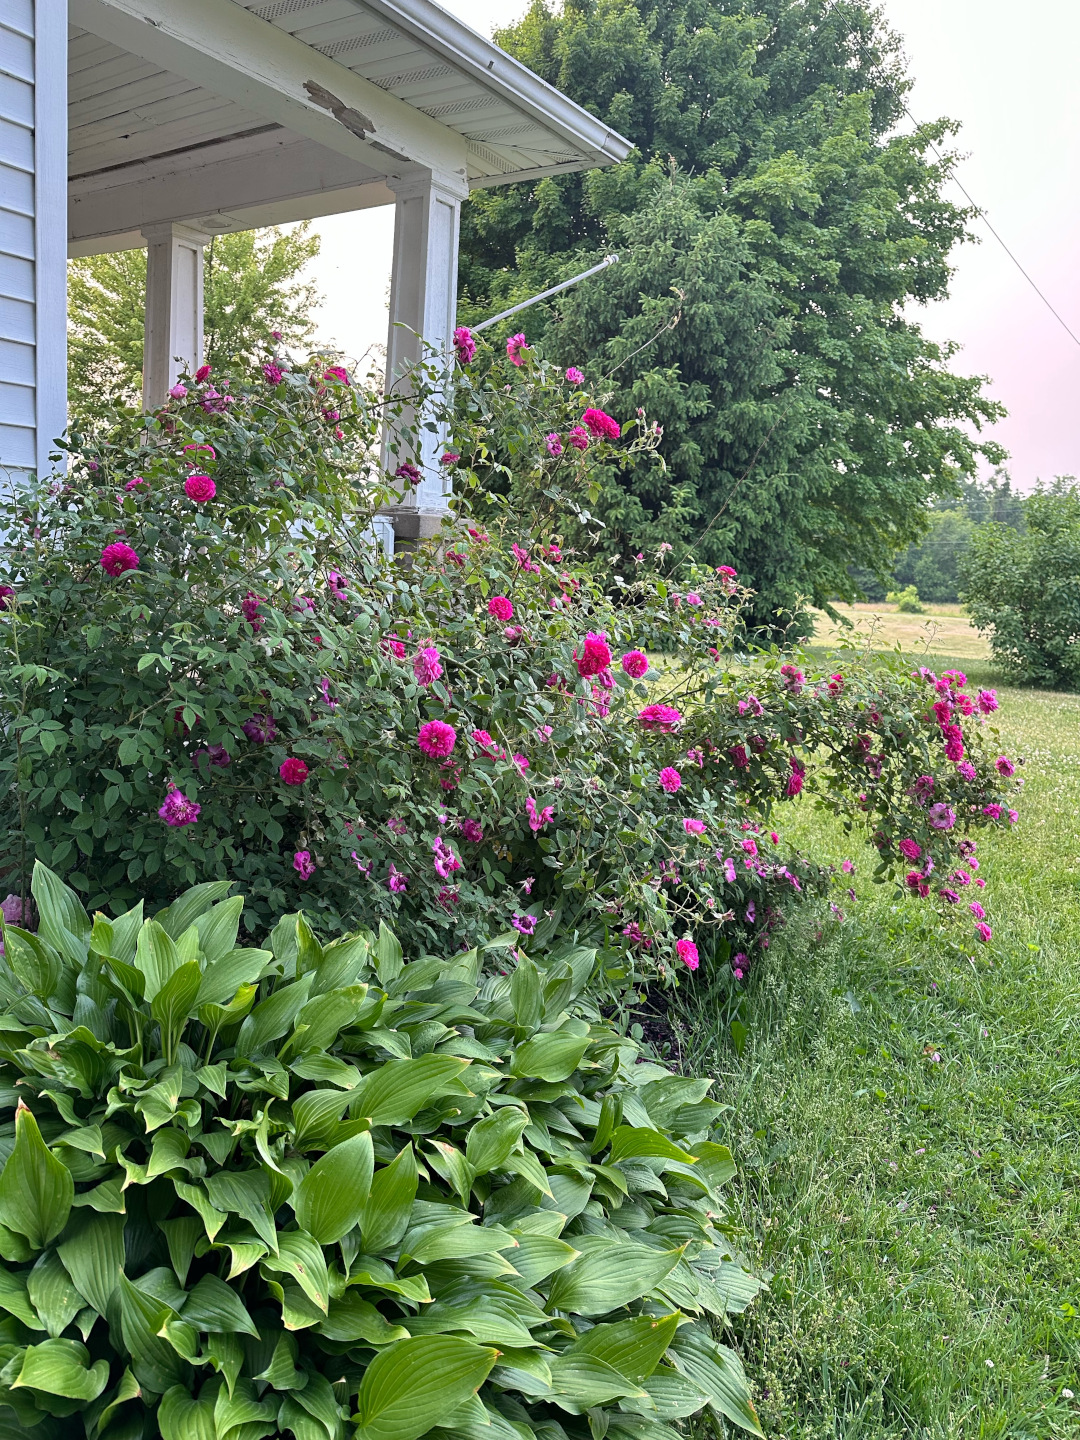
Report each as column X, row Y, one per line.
column 1023, row 589
column 906, row 601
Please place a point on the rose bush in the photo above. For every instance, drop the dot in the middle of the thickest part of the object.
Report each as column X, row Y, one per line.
column 473, row 742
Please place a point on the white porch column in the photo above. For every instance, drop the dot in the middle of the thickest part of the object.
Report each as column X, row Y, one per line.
column 173, row 339
column 423, row 301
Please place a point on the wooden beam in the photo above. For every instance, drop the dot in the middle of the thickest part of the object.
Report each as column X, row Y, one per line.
column 234, row 54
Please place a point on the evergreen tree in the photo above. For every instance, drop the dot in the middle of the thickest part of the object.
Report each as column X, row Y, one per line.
column 253, row 284
column 780, row 225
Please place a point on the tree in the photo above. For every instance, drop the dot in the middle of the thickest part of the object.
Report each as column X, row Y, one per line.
column 1023, row 588
column 253, row 284
column 775, row 221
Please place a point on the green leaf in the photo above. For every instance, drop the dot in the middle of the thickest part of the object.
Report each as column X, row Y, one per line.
column 413, row 1384
column 173, row 1003
column 395, row 1092
column 156, row 1364
column 384, row 1217
column 607, row 1278
column 491, row 1140
column 52, row 1294
column 155, row 958
column 272, row 1018
column 321, row 1019
column 388, row 964
column 527, row 995
column 589, row 1380
column 539, row 1256
column 352, row 1318
column 193, row 903
column 299, row 1256
column 36, row 1189
column 218, row 928
column 181, row 1417
column 15, row 1300
column 60, row 1367
column 717, row 1372
column 330, row 1199
column 213, row 1305
column 315, row 1117
column 553, row 1056
column 37, row 966
column 629, row 1142
column 246, row 1193
column 222, row 980
column 632, row 1347
column 62, row 921
column 455, row 1242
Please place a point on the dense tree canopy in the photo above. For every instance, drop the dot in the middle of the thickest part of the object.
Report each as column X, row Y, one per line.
column 253, row 284
column 775, row 228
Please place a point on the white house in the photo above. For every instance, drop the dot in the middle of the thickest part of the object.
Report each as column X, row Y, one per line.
column 163, row 122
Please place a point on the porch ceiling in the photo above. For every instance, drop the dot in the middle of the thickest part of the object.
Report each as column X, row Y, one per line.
column 152, row 109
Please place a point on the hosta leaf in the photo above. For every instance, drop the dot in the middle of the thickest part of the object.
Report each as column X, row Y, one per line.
column 181, row 1236
column 718, row 1373
column 633, row 1347
column 491, row 1140
column 245, row 1193
column 181, row 1417
column 672, row 1396
column 318, row 1399
column 606, row 1279
column 315, row 1117
column 353, row 1318
column 61, row 1367
column 330, row 1199
column 525, row 1164
column 36, row 1189
column 52, row 1294
column 155, row 958
column 589, row 1380
column 319, row 1021
column 630, row 1142
column 454, row 1242
column 193, row 903
column 213, row 1305
column 539, row 1256
column 395, row 1092
column 127, row 1389
column 384, row 1217
column 213, row 1218
column 156, row 1364
column 217, row 928
column 15, row 1299
column 62, row 921
column 413, row 1384
column 302, row 1258
column 553, row 1056
column 222, row 980
column 715, row 1163
column 272, row 1018
column 387, row 955
column 341, row 964
column 37, row 966
column 173, row 1003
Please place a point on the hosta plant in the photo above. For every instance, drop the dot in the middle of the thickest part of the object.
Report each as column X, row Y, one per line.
column 323, row 1192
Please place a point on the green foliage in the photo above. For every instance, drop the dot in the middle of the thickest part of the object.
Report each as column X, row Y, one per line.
column 365, row 1189
column 260, row 631
column 253, row 284
column 906, row 601
column 807, row 420
column 1023, row 589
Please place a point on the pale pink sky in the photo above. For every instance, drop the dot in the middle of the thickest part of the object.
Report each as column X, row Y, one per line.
column 1008, row 75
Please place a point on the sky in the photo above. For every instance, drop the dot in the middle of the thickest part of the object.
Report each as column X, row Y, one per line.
column 1008, row 75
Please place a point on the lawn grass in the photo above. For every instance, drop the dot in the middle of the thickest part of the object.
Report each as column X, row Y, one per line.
column 920, row 1215
column 942, row 629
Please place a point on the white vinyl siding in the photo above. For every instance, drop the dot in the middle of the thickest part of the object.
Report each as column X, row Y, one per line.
column 33, row 68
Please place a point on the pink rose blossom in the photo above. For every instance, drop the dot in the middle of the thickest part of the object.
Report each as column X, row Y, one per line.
column 795, row 780
column 134, row 483
column 464, row 345
column 471, row 831
column 942, row 816
column 635, row 663
column 117, row 558
column 1004, row 766
column 293, row 771
column 487, row 746
column 729, row 871
column 687, row 952
column 303, row 864
column 574, row 375
column 275, row 374
column 260, row 729
column 966, row 769
column 694, row 827
column 446, row 862
column 501, row 608
column 426, row 666
column 515, row 348
column 984, row 932
column 395, row 880
column 538, row 818
column 408, row 471
column 199, row 488
column 987, row 701
column 664, row 718
column 436, row 739
column 579, row 437
column 670, row 779
column 910, row 849
column 178, row 810
column 450, row 458
column 554, row 444
column 595, row 655
column 178, row 391
column 601, row 425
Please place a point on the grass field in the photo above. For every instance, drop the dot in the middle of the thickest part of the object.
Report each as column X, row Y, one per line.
column 906, row 1117
column 945, row 630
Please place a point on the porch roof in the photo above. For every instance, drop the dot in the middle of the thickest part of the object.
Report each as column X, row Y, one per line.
column 232, row 113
